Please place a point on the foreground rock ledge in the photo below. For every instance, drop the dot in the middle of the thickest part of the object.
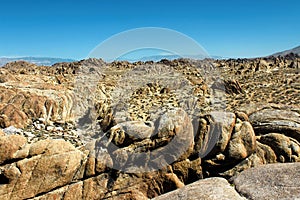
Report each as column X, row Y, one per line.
column 208, row 189
column 55, row 169
column 273, row 181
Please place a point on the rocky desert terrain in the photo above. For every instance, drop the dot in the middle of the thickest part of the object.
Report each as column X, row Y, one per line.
column 181, row 129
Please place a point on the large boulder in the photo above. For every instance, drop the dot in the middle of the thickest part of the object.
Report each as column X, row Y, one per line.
column 220, row 127
column 9, row 146
column 273, row 181
column 243, row 141
column 208, row 189
column 140, row 146
column 286, row 149
column 239, row 151
column 37, row 168
column 284, row 121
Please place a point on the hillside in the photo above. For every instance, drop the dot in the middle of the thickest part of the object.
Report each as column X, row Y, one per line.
column 295, row 50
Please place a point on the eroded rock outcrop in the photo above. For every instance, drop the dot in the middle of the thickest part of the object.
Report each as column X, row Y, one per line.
column 250, row 146
column 34, row 169
column 66, row 137
column 50, row 168
column 277, row 120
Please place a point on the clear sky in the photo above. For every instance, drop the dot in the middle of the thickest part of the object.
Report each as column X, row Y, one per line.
column 71, row 29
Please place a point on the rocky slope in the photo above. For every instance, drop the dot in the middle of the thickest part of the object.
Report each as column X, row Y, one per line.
column 96, row 130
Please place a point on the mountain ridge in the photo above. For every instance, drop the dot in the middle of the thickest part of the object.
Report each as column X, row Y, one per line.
column 47, row 61
column 295, row 50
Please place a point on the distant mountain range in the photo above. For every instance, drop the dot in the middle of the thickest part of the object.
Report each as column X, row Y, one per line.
column 35, row 60
column 295, row 50
column 47, row 61
column 157, row 58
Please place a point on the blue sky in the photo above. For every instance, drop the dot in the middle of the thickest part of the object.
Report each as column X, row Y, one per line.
column 71, row 29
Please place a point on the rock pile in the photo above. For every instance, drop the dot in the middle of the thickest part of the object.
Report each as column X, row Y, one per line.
column 39, row 130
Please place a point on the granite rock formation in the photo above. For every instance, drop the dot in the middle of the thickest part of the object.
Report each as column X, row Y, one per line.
column 120, row 130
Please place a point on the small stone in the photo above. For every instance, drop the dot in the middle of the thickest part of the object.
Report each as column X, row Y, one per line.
column 39, row 126
column 220, row 156
column 59, row 128
column 241, row 115
column 2, row 133
column 42, row 120
column 12, row 130
column 50, row 128
column 29, row 134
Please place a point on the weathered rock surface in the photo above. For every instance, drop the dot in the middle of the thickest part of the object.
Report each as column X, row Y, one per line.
column 285, row 148
column 221, row 127
column 263, row 80
column 243, row 141
column 9, row 145
column 2, row 133
column 34, row 92
column 248, row 147
column 208, row 189
column 96, row 130
column 30, row 170
column 274, row 181
column 55, row 168
column 136, row 146
column 284, row 121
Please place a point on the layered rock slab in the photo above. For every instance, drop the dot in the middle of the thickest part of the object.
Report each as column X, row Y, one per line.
column 30, row 170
